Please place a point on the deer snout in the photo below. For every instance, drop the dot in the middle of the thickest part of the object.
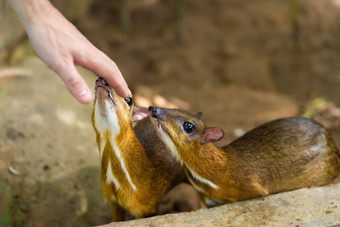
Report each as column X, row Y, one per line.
column 101, row 82
column 154, row 112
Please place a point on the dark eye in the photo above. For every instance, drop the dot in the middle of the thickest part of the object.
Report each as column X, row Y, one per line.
column 188, row 127
column 128, row 101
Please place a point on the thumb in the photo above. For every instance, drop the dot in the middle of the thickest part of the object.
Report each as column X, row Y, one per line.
column 75, row 83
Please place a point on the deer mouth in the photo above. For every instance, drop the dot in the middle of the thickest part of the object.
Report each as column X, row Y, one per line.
column 156, row 117
column 102, row 89
column 158, row 125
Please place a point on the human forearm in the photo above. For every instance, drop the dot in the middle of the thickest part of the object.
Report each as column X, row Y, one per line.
column 61, row 46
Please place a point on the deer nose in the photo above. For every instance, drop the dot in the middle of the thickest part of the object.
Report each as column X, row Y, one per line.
column 102, row 81
column 153, row 111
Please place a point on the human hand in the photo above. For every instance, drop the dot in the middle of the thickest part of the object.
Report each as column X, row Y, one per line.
column 61, row 46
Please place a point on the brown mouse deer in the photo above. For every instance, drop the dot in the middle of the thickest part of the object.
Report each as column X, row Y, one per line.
column 280, row 155
column 136, row 169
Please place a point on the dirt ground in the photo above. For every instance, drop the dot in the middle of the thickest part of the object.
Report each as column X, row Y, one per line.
column 243, row 63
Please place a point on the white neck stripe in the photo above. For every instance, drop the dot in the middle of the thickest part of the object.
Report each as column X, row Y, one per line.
column 201, row 179
column 122, row 163
column 168, row 142
column 195, row 186
column 110, row 123
column 110, row 177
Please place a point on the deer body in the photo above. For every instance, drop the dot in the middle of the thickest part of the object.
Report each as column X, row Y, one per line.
column 136, row 170
column 280, row 155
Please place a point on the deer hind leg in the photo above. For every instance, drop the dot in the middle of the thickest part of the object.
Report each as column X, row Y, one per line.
column 118, row 212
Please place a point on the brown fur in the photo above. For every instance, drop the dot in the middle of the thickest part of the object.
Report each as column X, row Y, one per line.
column 152, row 169
column 280, row 155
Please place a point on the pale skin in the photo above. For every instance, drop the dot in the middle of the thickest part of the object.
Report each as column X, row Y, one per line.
column 61, row 46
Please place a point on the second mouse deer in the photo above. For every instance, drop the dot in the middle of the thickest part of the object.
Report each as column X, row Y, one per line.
column 280, row 155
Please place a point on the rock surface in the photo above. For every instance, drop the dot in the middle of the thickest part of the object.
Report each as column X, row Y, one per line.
column 295, row 208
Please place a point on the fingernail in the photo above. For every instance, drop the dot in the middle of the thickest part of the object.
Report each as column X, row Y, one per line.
column 84, row 96
column 129, row 94
column 82, row 93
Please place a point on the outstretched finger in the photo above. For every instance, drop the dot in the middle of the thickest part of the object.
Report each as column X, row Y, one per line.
column 104, row 67
column 75, row 83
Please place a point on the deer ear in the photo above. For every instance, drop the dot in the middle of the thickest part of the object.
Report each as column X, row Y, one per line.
column 199, row 114
column 212, row 135
column 139, row 113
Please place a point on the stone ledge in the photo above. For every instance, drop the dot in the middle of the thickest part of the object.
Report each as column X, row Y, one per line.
column 304, row 207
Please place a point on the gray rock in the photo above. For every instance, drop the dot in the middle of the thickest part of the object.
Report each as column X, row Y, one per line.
column 304, row 207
